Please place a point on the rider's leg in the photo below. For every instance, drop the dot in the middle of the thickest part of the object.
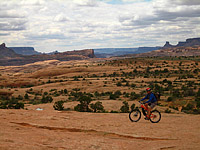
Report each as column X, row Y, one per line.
column 148, row 109
column 146, row 105
column 148, row 112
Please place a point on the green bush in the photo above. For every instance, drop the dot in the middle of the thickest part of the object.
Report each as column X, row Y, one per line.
column 46, row 99
column 119, row 84
column 114, row 111
column 167, row 110
column 97, row 107
column 125, row 107
column 26, row 96
column 58, row 105
column 9, row 104
column 169, row 99
column 84, row 104
column 132, row 107
column 19, row 105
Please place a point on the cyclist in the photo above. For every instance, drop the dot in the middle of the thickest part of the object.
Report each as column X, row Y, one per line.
column 151, row 103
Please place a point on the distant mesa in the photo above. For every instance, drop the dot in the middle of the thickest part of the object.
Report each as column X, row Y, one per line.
column 188, row 43
column 167, row 45
column 24, row 55
column 6, row 52
column 110, row 52
column 8, row 57
column 25, row 50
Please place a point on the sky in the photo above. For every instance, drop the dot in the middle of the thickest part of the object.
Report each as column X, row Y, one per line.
column 64, row 25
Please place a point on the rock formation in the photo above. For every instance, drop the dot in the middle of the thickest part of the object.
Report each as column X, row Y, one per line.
column 9, row 57
column 6, row 52
column 187, row 43
column 24, row 50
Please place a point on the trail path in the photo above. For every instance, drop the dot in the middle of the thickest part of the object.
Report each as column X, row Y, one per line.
column 53, row 130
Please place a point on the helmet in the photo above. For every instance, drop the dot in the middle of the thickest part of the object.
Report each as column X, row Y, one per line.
column 148, row 89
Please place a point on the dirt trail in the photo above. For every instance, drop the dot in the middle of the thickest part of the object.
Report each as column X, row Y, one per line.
column 100, row 133
column 54, row 130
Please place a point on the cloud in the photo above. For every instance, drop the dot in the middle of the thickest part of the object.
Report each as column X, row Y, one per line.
column 13, row 25
column 185, row 2
column 61, row 18
column 4, row 34
column 83, row 24
column 86, row 3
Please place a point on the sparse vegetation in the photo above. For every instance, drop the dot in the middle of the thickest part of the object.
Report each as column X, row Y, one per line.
column 58, row 105
column 176, row 78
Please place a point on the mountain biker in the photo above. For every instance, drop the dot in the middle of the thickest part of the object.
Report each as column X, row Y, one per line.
column 151, row 103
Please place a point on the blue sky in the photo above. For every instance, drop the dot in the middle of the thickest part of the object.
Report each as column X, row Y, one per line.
column 121, row 2
column 49, row 25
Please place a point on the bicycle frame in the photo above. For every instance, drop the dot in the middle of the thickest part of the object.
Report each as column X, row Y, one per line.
column 143, row 109
column 135, row 114
column 144, row 113
column 143, row 106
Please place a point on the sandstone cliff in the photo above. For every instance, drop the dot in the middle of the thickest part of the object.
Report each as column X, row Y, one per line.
column 6, row 52
column 188, row 43
column 24, row 50
column 10, row 58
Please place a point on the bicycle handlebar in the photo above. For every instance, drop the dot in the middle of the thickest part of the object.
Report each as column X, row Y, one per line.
column 140, row 102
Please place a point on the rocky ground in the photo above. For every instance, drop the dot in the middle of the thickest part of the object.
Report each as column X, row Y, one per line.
column 48, row 129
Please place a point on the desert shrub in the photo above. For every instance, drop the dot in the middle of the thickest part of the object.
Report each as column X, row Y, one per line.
column 119, row 84
column 188, row 107
column 26, row 96
column 126, row 95
column 196, row 71
column 56, row 93
column 134, row 96
column 84, row 104
column 196, row 111
column 198, row 93
column 10, row 104
column 114, row 111
column 133, row 85
column 176, row 93
column 65, row 91
column 165, row 70
column 3, row 105
column 118, row 93
column 58, row 105
column 45, row 93
column 132, row 107
column 76, row 78
column 19, row 105
column 97, row 107
column 46, row 99
column 169, row 99
column 173, row 107
column 97, row 94
column 189, row 92
column 113, row 96
column 49, row 81
column 20, row 97
column 197, row 102
column 125, row 107
column 167, row 110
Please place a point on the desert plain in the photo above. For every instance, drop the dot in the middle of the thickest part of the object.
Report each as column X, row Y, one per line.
column 40, row 127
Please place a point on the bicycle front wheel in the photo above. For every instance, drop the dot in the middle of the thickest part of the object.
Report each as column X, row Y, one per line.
column 155, row 116
column 135, row 115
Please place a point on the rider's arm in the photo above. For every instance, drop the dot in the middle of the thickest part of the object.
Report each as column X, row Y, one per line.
column 150, row 98
column 144, row 98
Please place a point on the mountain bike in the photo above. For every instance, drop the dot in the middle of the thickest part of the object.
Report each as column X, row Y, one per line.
column 135, row 114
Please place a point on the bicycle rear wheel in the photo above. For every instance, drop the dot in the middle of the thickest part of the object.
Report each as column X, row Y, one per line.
column 135, row 115
column 155, row 116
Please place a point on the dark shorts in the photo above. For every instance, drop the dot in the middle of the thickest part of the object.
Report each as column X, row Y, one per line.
column 152, row 105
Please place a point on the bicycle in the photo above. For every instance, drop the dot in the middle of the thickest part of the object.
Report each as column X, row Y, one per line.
column 135, row 114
